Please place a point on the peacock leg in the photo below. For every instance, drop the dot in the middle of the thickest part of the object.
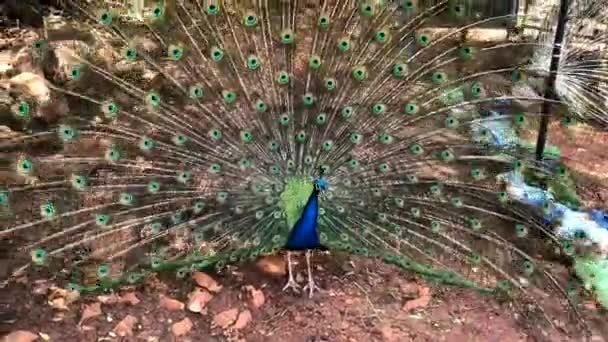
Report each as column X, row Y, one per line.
column 311, row 286
column 291, row 282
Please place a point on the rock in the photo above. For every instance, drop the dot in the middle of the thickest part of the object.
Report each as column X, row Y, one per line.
column 408, row 288
column 41, row 287
column 198, row 299
column 34, row 84
column 204, row 280
column 386, row 333
column 272, row 265
column 171, row 304
column 129, row 298
column 225, row 318
column 60, row 298
column 256, row 297
column 108, row 299
column 243, row 320
column 125, row 327
column 182, row 327
column 90, row 311
column 20, row 336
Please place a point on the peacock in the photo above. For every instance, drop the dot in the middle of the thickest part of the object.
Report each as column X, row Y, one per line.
column 175, row 136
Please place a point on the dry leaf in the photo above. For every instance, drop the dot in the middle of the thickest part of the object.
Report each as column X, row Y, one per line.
column 182, row 327
column 125, row 327
column 225, row 318
column 90, row 311
column 256, row 297
column 204, row 280
column 243, row 320
column 171, row 304
column 198, row 299
column 424, row 297
column 20, row 336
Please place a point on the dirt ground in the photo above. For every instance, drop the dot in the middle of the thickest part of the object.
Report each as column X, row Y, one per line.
column 361, row 300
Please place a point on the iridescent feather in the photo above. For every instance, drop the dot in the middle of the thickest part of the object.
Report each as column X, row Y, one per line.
column 193, row 138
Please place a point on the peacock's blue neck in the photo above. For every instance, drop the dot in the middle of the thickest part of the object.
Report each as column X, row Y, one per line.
column 304, row 233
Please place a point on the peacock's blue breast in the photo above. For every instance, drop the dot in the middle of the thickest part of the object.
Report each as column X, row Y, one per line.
column 304, row 233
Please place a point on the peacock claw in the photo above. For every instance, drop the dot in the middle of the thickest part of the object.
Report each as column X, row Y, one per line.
column 311, row 287
column 292, row 284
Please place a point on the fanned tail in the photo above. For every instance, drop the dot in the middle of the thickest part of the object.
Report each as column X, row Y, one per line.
column 191, row 138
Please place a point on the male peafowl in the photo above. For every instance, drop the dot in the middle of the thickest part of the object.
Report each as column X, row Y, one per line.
column 197, row 134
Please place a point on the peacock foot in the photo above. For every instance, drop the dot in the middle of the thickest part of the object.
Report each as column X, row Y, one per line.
column 311, row 287
column 293, row 285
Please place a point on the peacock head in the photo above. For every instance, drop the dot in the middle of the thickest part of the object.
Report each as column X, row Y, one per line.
column 321, row 184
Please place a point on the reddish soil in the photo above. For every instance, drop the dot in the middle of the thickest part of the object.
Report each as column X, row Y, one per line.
column 361, row 300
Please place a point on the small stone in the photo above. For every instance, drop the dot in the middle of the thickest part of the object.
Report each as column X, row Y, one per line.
column 129, row 298
column 108, row 299
column 273, row 265
column 34, row 84
column 20, row 336
column 225, row 318
column 387, row 334
column 182, row 327
column 243, row 320
column 198, row 299
column 60, row 298
column 90, row 311
column 424, row 297
column 125, row 327
column 256, row 297
column 171, row 304
column 204, row 280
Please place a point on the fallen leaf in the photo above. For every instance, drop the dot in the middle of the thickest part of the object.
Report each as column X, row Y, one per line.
column 182, row 327
column 225, row 318
column 272, row 265
column 424, row 297
column 125, row 327
column 198, row 299
column 171, row 304
column 256, row 297
column 243, row 320
column 20, row 336
column 204, row 280
column 90, row 311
